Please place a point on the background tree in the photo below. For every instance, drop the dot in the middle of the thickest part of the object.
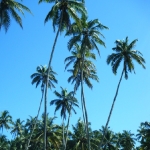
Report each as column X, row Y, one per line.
column 40, row 77
column 143, row 136
column 66, row 102
column 5, row 120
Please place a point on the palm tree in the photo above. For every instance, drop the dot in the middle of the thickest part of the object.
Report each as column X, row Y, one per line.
column 11, row 7
column 66, row 103
column 78, row 138
column 5, row 120
column 40, row 77
column 143, row 136
column 124, row 52
column 61, row 14
column 4, row 143
column 83, row 70
column 127, row 141
column 17, row 128
column 54, row 134
column 88, row 37
column 110, row 140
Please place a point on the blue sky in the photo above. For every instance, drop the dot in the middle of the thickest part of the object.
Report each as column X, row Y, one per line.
column 22, row 51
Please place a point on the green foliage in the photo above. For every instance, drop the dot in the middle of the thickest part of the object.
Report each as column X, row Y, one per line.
column 10, row 8
column 40, row 77
column 62, row 12
column 77, row 139
column 125, row 53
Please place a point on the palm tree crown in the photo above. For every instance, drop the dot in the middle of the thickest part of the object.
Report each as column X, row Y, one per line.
column 88, row 36
column 66, row 102
column 5, row 120
column 62, row 10
column 10, row 7
column 41, row 76
column 124, row 52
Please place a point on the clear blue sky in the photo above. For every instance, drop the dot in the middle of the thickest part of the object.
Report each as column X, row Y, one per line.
column 21, row 51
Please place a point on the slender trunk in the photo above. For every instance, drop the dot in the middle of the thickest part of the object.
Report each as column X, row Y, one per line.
column 110, row 113
column 83, row 110
column 84, row 106
column 35, row 120
column 46, row 91
column 68, row 122
column 67, row 130
column 64, row 136
column 86, row 117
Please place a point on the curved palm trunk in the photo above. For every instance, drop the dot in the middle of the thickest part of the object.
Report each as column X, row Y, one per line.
column 110, row 113
column 49, row 65
column 84, row 105
column 46, row 90
column 83, row 110
column 68, row 123
column 35, row 120
column 64, row 145
column 86, row 117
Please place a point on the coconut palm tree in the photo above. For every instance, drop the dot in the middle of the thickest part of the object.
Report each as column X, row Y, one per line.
column 61, row 14
column 5, row 120
column 88, row 36
column 11, row 8
column 4, row 143
column 83, row 70
column 40, row 77
column 127, row 140
column 17, row 128
column 110, row 140
column 66, row 102
column 78, row 138
column 143, row 136
column 54, row 134
column 125, row 53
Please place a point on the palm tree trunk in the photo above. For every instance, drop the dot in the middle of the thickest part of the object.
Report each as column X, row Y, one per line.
column 64, row 145
column 84, row 106
column 35, row 120
column 68, row 122
column 46, row 91
column 86, row 117
column 67, row 130
column 110, row 113
column 83, row 110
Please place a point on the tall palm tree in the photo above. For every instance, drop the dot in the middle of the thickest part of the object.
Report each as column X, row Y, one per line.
column 83, row 69
column 40, row 77
column 5, row 120
column 66, row 102
column 11, row 8
column 126, row 54
column 88, row 36
column 61, row 14
column 89, row 68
